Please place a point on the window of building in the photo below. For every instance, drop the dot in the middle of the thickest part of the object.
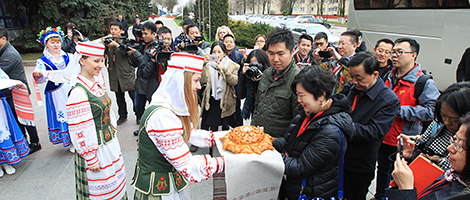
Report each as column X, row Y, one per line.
column 302, row 9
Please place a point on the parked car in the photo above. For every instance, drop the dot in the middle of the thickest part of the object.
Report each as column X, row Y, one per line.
column 270, row 22
column 312, row 29
column 318, row 21
column 289, row 24
column 237, row 17
column 298, row 18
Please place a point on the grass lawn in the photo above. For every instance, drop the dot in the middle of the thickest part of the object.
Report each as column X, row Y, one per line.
column 337, row 23
column 30, row 56
column 178, row 21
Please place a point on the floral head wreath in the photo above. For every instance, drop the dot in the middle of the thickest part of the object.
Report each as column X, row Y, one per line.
column 50, row 32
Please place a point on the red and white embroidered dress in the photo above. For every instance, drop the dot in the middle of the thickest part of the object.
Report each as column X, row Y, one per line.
column 110, row 181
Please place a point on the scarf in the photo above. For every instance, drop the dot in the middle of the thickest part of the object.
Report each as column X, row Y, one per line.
column 217, row 81
column 451, row 175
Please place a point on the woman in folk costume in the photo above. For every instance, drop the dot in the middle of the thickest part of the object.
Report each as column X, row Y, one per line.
column 56, row 93
column 99, row 166
column 165, row 162
column 13, row 145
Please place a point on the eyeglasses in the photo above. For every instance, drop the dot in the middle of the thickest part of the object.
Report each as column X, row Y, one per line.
column 381, row 51
column 399, row 53
column 319, row 43
column 457, row 146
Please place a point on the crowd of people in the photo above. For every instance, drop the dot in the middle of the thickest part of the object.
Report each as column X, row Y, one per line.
column 335, row 112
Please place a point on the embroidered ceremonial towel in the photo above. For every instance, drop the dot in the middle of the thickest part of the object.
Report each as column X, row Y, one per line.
column 23, row 106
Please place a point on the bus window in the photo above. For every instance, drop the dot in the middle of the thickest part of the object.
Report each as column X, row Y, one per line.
column 410, row 4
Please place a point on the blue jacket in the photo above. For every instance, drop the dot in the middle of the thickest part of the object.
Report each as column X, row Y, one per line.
column 412, row 111
column 373, row 116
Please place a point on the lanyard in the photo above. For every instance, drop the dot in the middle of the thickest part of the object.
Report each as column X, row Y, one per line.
column 300, row 59
column 307, row 122
column 336, row 69
column 354, row 103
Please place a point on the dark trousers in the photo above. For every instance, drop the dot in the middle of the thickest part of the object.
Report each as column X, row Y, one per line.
column 121, row 101
column 384, row 169
column 32, row 132
column 356, row 185
column 139, row 104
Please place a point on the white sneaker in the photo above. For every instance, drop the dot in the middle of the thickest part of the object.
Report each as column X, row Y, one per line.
column 9, row 169
column 1, row 173
column 72, row 149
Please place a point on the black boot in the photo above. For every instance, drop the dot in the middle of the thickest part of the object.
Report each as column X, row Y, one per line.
column 33, row 147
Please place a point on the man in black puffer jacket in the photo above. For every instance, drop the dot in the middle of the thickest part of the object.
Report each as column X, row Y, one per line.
column 311, row 147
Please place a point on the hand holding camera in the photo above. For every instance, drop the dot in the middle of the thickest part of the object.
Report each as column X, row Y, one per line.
column 408, row 145
column 255, row 70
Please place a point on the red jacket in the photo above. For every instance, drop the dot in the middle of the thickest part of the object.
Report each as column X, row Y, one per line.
column 411, row 111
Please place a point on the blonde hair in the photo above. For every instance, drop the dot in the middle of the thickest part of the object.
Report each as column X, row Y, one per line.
column 219, row 29
column 191, row 102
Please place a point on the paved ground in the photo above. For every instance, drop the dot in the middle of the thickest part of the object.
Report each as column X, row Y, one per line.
column 49, row 173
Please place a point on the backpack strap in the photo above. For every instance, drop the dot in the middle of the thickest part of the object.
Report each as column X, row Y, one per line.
column 341, row 167
column 419, row 85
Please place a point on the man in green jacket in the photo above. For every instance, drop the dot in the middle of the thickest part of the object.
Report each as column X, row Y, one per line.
column 276, row 104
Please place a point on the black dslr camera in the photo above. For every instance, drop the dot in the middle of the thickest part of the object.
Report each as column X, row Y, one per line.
column 75, row 31
column 255, row 70
column 125, row 43
column 421, row 146
column 160, row 55
column 189, row 45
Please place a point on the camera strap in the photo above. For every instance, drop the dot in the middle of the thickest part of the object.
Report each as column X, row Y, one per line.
column 435, row 129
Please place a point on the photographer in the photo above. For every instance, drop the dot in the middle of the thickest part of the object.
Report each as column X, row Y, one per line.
column 257, row 62
column 121, row 72
column 73, row 37
column 137, row 29
column 219, row 97
column 194, row 37
column 320, row 43
column 340, row 59
column 182, row 35
column 149, row 32
column 450, row 106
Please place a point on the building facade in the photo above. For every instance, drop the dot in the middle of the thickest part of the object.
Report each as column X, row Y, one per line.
column 301, row 7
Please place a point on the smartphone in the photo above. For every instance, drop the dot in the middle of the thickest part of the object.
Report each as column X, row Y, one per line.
column 325, row 54
column 213, row 58
column 400, row 146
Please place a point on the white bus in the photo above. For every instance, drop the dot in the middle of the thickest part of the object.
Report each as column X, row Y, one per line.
column 441, row 27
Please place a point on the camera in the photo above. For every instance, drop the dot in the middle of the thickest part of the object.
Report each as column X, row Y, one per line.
column 421, row 146
column 255, row 70
column 189, row 45
column 107, row 40
column 125, row 43
column 325, row 54
column 160, row 56
column 75, row 31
